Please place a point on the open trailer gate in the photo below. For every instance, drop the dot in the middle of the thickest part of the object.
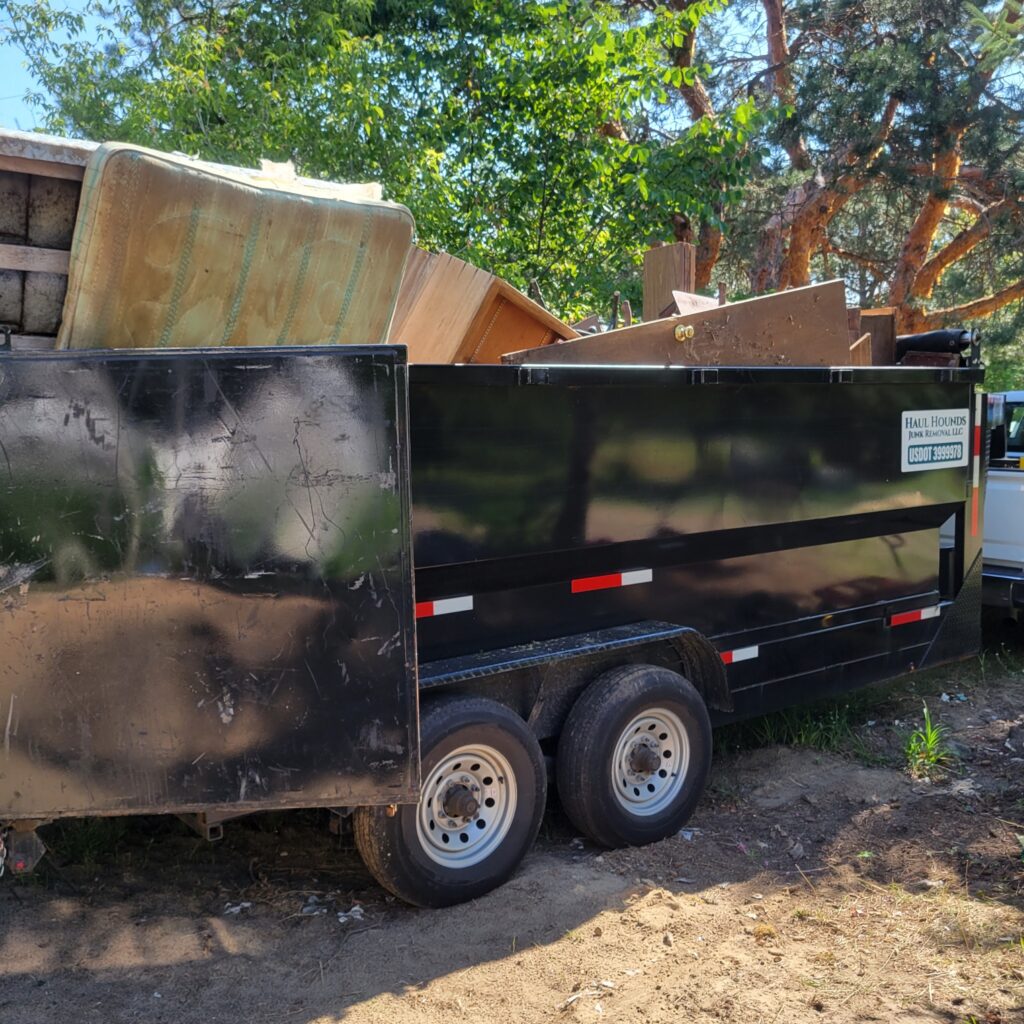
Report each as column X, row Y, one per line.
column 205, row 577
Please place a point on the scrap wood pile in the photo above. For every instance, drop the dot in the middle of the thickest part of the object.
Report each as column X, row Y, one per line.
column 123, row 247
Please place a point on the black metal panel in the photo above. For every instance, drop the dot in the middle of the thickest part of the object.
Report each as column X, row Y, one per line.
column 205, row 592
column 758, row 500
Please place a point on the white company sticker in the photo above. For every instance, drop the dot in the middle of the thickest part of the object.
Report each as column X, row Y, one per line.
column 935, row 439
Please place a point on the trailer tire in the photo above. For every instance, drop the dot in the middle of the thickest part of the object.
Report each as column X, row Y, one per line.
column 634, row 756
column 432, row 854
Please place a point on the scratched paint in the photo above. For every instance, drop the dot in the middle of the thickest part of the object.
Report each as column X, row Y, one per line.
column 204, row 582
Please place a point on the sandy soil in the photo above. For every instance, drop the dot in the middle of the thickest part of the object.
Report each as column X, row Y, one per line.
column 810, row 887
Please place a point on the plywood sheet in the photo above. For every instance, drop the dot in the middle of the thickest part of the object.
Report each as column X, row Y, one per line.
column 800, row 327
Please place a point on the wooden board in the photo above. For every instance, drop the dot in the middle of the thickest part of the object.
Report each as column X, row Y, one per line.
column 449, row 311
column 44, row 155
column 28, row 257
column 853, row 323
column 881, row 325
column 667, row 268
column 800, row 327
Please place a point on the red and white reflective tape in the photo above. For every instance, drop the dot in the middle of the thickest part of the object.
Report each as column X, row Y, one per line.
column 976, row 467
column 612, row 580
column 740, row 654
column 902, row 618
column 445, row 606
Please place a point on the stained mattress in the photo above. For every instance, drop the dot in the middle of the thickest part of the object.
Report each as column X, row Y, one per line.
column 172, row 252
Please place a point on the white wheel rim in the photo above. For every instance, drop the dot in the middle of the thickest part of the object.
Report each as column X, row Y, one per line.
column 460, row 841
column 639, row 787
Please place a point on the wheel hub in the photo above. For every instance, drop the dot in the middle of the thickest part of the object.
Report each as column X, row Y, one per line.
column 467, row 806
column 644, row 759
column 650, row 762
column 459, row 802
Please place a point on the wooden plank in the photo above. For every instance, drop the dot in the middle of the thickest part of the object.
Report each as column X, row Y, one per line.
column 853, row 323
column 860, row 351
column 34, row 258
column 800, row 327
column 667, row 268
column 881, row 325
column 44, row 168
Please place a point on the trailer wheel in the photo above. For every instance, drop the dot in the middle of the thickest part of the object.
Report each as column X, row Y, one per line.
column 634, row 756
column 483, row 795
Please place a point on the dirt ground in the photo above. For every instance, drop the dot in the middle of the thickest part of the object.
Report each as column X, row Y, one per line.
column 809, row 886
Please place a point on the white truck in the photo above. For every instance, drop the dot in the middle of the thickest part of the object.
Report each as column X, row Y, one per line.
column 1003, row 574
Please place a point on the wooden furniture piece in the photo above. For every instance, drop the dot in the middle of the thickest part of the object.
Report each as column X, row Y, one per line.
column 800, row 327
column 452, row 312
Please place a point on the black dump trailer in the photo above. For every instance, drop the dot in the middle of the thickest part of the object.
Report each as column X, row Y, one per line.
column 209, row 603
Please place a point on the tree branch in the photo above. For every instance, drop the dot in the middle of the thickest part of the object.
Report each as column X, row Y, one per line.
column 918, row 241
column 912, row 320
column 874, row 266
column 695, row 96
column 782, row 81
column 792, row 236
column 958, row 247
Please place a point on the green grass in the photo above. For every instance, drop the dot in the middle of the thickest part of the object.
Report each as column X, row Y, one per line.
column 828, row 726
column 926, row 750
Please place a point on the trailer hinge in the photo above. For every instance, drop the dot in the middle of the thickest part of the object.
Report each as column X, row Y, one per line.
column 533, row 375
column 842, row 375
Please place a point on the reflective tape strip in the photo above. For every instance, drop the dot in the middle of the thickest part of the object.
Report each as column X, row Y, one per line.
column 740, row 654
column 902, row 618
column 613, row 579
column 445, row 606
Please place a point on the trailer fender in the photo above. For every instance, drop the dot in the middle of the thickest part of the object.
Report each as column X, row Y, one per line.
column 701, row 663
